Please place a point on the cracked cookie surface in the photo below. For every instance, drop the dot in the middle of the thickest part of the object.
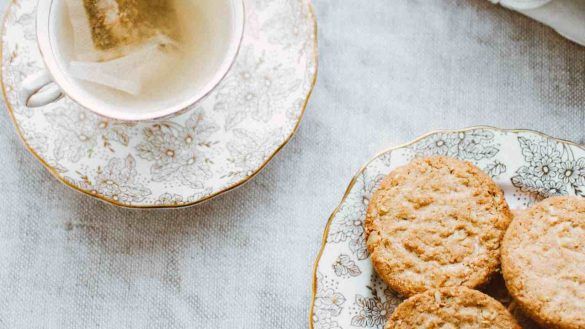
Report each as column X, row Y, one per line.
column 543, row 262
column 436, row 222
column 455, row 307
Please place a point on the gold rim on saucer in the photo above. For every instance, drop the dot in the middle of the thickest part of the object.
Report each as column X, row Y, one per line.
column 356, row 177
column 252, row 174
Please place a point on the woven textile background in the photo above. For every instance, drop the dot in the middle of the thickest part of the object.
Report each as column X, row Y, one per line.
column 389, row 71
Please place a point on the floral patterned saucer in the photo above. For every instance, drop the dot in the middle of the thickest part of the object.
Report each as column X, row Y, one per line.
column 527, row 165
column 213, row 147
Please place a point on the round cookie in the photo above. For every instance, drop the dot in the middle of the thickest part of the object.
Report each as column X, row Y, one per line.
column 436, row 222
column 454, row 307
column 543, row 262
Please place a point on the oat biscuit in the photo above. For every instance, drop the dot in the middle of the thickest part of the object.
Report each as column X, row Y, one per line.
column 454, row 307
column 543, row 262
column 436, row 222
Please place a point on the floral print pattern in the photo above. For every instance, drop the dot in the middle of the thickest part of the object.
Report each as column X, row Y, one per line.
column 179, row 151
column 373, row 311
column 117, row 181
column 528, row 166
column 551, row 169
column 344, row 266
column 467, row 145
column 350, row 228
column 207, row 149
column 79, row 135
column 248, row 149
column 328, row 304
column 253, row 89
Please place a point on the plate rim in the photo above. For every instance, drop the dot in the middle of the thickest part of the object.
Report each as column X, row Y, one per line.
column 226, row 189
column 354, row 179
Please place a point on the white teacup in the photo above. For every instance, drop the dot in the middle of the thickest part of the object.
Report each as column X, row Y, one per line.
column 214, row 62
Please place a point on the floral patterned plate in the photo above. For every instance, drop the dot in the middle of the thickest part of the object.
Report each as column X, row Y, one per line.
column 528, row 166
column 209, row 149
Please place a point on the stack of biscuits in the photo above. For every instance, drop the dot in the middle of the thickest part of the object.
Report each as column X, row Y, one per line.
column 438, row 228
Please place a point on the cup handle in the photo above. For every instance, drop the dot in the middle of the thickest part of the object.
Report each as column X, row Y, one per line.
column 39, row 89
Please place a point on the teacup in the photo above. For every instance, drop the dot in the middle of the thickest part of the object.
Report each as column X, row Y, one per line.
column 52, row 83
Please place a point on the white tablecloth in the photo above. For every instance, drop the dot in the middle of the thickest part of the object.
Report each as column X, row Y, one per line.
column 390, row 71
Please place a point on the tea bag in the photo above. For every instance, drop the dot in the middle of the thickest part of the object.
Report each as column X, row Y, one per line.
column 122, row 44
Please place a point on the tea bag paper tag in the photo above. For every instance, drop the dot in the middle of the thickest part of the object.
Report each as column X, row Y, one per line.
column 139, row 67
column 82, row 32
column 115, row 36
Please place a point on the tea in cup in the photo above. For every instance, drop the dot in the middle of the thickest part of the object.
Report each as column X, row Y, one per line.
column 134, row 59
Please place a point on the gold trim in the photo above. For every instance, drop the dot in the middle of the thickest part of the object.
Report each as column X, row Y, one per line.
column 362, row 168
column 55, row 174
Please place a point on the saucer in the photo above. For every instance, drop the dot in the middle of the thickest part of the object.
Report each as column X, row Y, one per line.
column 527, row 165
column 213, row 147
